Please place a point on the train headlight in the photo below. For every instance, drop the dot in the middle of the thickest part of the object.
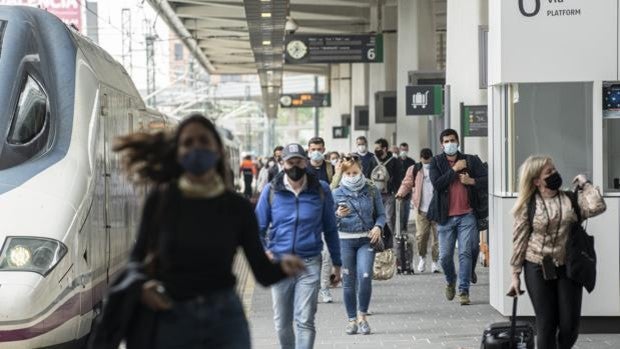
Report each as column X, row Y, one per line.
column 39, row 255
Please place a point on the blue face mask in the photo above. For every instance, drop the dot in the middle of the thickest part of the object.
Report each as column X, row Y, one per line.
column 450, row 148
column 316, row 156
column 199, row 161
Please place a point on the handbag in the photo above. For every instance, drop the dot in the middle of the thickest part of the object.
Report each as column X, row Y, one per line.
column 580, row 253
column 384, row 266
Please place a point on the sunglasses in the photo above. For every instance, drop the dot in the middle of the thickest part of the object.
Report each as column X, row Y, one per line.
column 351, row 158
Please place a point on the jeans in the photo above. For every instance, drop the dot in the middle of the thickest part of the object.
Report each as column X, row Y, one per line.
column 326, row 268
column 464, row 229
column 557, row 304
column 247, row 181
column 213, row 321
column 357, row 262
column 295, row 299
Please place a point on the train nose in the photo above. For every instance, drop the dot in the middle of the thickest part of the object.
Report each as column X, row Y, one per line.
column 16, row 299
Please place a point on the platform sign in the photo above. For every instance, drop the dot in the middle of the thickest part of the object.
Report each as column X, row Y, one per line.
column 69, row 11
column 305, row 100
column 475, row 120
column 340, row 132
column 325, row 49
column 424, row 99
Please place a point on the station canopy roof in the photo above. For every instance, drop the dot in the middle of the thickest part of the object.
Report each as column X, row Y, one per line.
column 246, row 36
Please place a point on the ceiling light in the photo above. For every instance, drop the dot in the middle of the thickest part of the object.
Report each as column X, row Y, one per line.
column 266, row 14
column 266, row 42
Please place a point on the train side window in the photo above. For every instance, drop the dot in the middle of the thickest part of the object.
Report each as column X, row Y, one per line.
column 2, row 28
column 29, row 118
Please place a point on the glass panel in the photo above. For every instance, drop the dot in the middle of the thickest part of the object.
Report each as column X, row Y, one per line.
column 29, row 118
column 554, row 119
column 611, row 129
column 2, row 28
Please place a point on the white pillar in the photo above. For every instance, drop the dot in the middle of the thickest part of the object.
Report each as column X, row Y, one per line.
column 340, row 90
column 416, row 52
column 462, row 66
column 382, row 76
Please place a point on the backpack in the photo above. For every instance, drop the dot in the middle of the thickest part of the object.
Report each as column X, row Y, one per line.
column 416, row 168
column 381, row 176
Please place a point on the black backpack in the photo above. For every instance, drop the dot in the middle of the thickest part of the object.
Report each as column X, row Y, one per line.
column 580, row 253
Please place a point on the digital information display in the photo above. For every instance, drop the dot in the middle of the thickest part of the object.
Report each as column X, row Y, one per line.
column 305, row 100
column 318, row 48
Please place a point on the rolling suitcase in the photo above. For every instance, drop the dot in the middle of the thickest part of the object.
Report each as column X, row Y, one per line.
column 404, row 255
column 509, row 335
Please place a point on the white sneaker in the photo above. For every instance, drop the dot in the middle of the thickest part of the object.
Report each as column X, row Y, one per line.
column 422, row 265
column 326, row 296
column 435, row 268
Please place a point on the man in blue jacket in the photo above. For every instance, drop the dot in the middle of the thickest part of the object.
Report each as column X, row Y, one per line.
column 297, row 208
column 456, row 178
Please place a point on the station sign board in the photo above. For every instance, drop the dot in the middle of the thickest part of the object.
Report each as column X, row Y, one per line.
column 424, row 99
column 325, row 49
column 305, row 100
column 69, row 11
column 339, row 132
column 475, row 120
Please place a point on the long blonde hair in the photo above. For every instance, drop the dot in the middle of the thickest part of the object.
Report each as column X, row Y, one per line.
column 531, row 169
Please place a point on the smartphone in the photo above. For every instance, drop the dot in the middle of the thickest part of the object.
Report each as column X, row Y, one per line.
column 548, row 268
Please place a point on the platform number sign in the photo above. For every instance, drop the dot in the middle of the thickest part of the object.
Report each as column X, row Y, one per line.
column 333, row 48
column 525, row 12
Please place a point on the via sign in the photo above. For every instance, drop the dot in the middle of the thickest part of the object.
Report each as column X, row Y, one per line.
column 424, row 100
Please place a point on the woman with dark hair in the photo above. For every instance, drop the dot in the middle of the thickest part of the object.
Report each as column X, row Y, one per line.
column 191, row 226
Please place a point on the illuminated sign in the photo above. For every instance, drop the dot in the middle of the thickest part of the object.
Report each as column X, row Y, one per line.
column 305, row 100
column 319, row 48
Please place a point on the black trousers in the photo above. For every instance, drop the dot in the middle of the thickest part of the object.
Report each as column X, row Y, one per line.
column 248, row 185
column 557, row 304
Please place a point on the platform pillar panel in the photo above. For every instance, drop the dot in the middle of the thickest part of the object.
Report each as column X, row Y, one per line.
column 417, row 51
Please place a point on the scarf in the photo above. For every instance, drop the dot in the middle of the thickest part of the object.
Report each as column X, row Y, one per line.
column 212, row 188
column 354, row 184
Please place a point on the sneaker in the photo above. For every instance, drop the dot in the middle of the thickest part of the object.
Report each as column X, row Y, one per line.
column 351, row 327
column 435, row 268
column 364, row 327
column 326, row 296
column 450, row 291
column 422, row 265
column 464, row 298
column 474, row 277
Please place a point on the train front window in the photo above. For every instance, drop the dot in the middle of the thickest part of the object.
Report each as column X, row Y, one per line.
column 2, row 27
column 30, row 114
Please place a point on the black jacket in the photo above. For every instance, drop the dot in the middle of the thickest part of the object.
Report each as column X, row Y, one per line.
column 442, row 176
column 396, row 173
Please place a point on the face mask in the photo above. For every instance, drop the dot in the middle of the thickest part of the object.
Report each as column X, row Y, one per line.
column 403, row 154
column 394, row 155
column 295, row 173
column 361, row 149
column 450, row 148
column 199, row 161
column 353, row 183
column 334, row 162
column 554, row 182
column 316, row 156
column 271, row 164
column 379, row 153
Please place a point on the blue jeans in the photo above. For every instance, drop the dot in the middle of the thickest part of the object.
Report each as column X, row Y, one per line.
column 295, row 299
column 213, row 321
column 357, row 262
column 464, row 229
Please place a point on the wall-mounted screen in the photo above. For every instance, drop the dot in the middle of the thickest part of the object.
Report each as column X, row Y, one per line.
column 385, row 107
column 611, row 100
column 361, row 121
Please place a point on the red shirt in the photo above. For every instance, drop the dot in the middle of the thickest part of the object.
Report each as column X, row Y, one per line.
column 457, row 197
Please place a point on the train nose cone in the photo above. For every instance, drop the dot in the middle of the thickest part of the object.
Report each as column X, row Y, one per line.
column 15, row 310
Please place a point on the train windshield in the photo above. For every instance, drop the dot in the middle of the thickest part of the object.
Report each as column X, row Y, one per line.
column 2, row 27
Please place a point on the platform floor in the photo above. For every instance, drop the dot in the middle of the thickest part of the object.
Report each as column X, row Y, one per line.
column 408, row 312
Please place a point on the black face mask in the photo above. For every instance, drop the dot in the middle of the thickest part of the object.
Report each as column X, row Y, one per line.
column 379, row 153
column 295, row 173
column 554, row 181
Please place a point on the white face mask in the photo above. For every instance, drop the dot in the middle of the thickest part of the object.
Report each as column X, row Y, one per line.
column 450, row 148
column 403, row 154
column 334, row 162
column 316, row 156
column 362, row 149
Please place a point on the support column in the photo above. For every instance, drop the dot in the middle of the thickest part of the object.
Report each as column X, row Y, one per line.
column 340, row 78
column 416, row 52
column 462, row 68
column 382, row 76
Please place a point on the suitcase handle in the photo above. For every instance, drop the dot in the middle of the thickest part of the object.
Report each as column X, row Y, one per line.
column 513, row 323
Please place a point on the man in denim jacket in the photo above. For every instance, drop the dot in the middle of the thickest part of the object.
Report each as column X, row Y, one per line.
column 297, row 208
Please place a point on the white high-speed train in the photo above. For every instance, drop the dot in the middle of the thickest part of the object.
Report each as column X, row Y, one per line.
column 68, row 216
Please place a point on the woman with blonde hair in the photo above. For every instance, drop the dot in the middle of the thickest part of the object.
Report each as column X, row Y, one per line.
column 539, row 248
column 360, row 216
